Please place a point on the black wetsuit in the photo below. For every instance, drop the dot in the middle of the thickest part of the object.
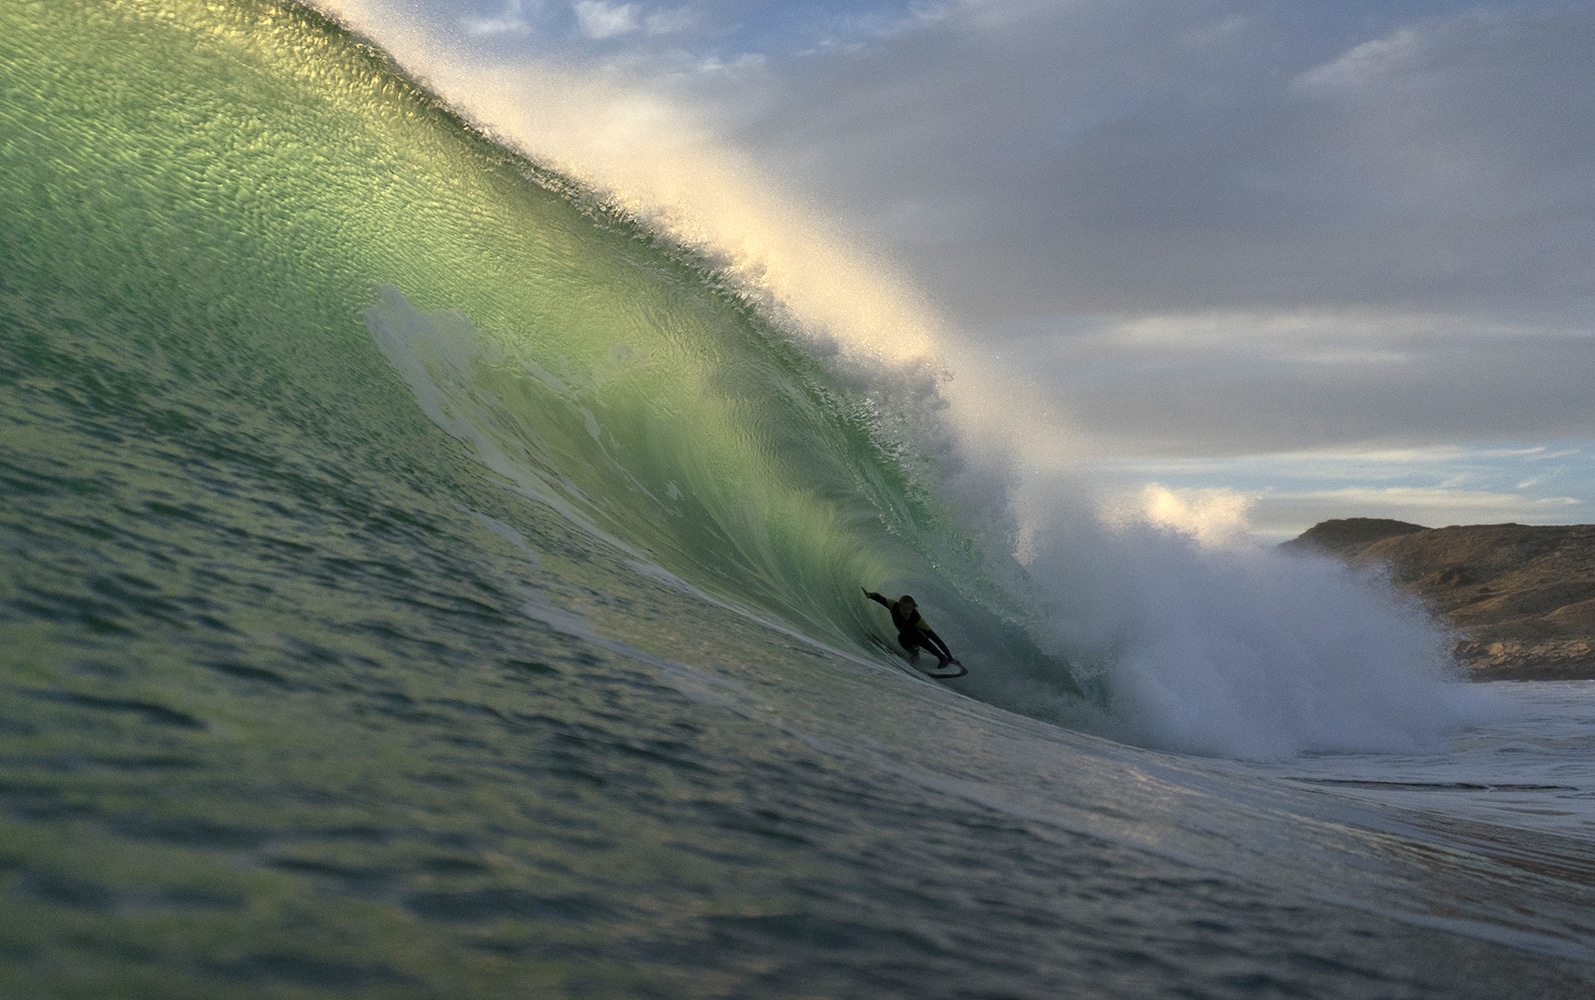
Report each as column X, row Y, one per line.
column 912, row 632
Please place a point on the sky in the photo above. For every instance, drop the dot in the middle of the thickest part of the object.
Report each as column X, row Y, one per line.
column 1296, row 260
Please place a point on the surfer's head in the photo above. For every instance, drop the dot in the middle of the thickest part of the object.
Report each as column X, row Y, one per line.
column 906, row 601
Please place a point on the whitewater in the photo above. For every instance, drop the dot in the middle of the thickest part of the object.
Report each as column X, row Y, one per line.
column 431, row 568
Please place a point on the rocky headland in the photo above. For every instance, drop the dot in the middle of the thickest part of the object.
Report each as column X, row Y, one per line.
column 1520, row 598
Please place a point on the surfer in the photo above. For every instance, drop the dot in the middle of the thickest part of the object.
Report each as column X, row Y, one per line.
column 913, row 634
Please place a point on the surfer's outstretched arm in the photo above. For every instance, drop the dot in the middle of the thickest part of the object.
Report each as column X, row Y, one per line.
column 878, row 599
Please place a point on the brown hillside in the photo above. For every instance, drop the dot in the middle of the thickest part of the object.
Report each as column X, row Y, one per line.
column 1522, row 598
column 1348, row 536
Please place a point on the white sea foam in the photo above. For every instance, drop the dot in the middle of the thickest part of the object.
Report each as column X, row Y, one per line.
column 1239, row 650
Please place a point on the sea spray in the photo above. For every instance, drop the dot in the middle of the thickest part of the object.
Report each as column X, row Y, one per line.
column 1239, row 650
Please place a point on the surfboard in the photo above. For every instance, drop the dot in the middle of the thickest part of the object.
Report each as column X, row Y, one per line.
column 897, row 653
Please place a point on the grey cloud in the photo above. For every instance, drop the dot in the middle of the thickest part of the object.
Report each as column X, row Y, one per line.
column 1046, row 167
column 1403, row 391
column 1111, row 157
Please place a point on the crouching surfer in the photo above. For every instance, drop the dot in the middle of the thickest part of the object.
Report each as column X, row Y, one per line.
column 913, row 634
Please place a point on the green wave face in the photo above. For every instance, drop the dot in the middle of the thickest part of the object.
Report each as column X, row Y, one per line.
column 340, row 453
column 249, row 228
column 233, row 194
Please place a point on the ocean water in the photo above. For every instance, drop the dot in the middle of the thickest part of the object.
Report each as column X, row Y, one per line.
column 419, row 578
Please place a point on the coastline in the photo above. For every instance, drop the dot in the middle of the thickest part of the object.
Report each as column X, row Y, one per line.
column 1520, row 599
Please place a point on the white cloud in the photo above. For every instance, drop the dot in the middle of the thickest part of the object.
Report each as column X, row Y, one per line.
column 600, row 20
column 1433, row 486
column 511, row 20
column 1365, row 64
column 669, row 22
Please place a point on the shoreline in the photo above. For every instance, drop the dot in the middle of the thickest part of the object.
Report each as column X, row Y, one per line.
column 1518, row 599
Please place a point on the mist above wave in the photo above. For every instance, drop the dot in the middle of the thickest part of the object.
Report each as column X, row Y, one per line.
column 1230, row 648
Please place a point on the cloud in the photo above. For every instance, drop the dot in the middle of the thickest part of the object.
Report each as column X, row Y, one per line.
column 669, row 22
column 1366, row 63
column 1235, row 384
column 1108, row 157
column 600, row 20
column 1205, row 229
column 511, row 20
column 1440, row 485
